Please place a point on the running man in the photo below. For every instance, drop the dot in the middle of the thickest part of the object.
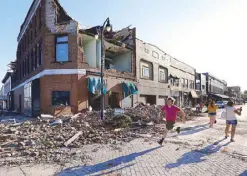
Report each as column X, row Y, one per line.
column 231, row 119
column 171, row 111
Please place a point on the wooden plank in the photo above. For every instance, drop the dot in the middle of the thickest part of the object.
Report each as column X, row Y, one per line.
column 73, row 138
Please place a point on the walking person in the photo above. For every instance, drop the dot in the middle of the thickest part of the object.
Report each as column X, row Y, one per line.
column 212, row 111
column 198, row 108
column 171, row 111
column 231, row 119
column 201, row 106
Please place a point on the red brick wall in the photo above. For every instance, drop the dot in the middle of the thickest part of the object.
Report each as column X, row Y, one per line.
column 50, row 53
column 72, row 83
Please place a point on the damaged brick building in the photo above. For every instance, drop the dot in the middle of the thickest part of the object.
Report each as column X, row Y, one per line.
column 57, row 68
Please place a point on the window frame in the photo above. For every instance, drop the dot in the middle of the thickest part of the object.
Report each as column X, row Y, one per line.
column 147, row 66
column 182, row 82
column 176, row 82
column 53, row 93
column 165, row 72
column 144, row 67
column 171, row 81
column 157, row 54
column 186, row 83
column 61, row 43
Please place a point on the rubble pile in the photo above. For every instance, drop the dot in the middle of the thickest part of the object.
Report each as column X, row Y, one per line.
column 44, row 140
column 146, row 113
column 55, row 140
column 190, row 114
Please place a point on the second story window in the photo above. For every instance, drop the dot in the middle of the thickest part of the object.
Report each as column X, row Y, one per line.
column 176, row 82
column 192, row 85
column 186, row 83
column 62, row 49
column 182, row 82
column 146, row 70
column 163, row 75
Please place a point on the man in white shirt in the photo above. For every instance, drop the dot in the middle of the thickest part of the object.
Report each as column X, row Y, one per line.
column 231, row 119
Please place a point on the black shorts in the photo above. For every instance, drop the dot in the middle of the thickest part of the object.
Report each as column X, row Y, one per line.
column 170, row 125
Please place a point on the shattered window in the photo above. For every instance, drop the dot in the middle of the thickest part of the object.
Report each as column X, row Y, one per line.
column 60, row 98
column 62, row 49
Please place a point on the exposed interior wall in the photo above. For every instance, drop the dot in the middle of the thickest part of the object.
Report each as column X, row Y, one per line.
column 98, row 53
column 51, row 19
column 148, row 99
column 91, row 53
column 122, row 63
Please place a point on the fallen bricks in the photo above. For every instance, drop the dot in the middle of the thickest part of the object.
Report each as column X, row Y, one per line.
column 54, row 140
column 44, row 141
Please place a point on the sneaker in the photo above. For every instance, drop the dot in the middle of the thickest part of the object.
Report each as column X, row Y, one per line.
column 178, row 130
column 232, row 140
column 160, row 142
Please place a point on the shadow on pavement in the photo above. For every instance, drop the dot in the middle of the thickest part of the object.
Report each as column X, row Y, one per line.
column 244, row 173
column 196, row 156
column 101, row 167
column 194, row 129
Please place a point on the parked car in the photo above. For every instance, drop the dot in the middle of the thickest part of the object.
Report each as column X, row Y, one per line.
column 220, row 104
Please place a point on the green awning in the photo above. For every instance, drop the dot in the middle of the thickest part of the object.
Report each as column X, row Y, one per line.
column 94, row 85
column 129, row 88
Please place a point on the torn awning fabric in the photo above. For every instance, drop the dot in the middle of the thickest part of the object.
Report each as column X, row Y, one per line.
column 129, row 88
column 94, row 85
column 173, row 76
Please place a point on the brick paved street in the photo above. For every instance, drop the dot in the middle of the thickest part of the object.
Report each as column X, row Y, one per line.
column 198, row 150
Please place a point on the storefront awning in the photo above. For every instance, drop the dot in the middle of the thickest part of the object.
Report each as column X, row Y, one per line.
column 173, row 76
column 129, row 88
column 94, row 85
column 221, row 96
column 193, row 94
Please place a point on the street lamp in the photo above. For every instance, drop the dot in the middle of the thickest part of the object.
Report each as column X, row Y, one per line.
column 106, row 26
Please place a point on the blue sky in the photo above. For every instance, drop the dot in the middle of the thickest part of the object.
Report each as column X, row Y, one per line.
column 207, row 34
